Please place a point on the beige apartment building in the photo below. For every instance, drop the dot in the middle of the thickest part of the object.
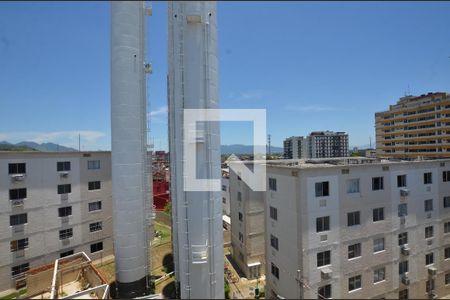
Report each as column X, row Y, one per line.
column 358, row 228
column 53, row 204
column 247, row 226
column 417, row 126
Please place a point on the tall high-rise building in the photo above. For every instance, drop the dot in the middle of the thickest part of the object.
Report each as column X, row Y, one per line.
column 358, row 228
column 53, row 204
column 416, row 126
column 193, row 84
column 319, row 144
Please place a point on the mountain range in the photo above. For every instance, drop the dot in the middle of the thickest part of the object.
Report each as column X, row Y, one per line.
column 32, row 146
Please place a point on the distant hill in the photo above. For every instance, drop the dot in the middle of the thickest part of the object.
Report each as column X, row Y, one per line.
column 244, row 149
column 32, row 146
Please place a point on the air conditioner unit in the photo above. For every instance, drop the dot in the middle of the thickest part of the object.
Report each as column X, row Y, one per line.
column 323, row 237
column 63, row 174
column 432, row 271
column 405, row 250
column 405, row 280
column 326, row 273
column 429, row 216
column 404, row 192
column 17, row 202
column 402, row 220
column 429, row 242
column 18, row 177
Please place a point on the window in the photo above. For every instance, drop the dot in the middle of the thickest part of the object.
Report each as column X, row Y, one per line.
column 402, row 267
column 353, row 218
column 239, row 196
column 96, row 247
column 427, row 178
column 354, row 251
column 65, row 233
column 447, row 278
column 64, row 188
column 446, row 202
column 353, row 185
column 19, row 244
column 377, row 183
column 323, row 258
column 354, row 283
column 224, row 188
column 379, row 275
column 323, row 224
column 429, row 285
column 65, row 211
column 273, row 213
column 402, row 210
column 403, row 294
column 63, row 166
column 401, row 180
column 428, row 232
column 97, row 226
column 93, row 206
column 239, row 178
column 324, row 292
column 322, row 189
column 272, row 184
column 428, row 205
column 274, row 242
column 445, row 176
column 378, row 244
column 19, row 168
column 402, row 238
column 240, row 217
column 241, row 237
column 447, row 253
column 446, row 227
column 94, row 185
column 20, row 269
column 15, row 194
column 275, row 271
column 64, row 254
column 93, row 164
column 429, row 259
column 18, row 219
column 378, row 214
column 224, row 200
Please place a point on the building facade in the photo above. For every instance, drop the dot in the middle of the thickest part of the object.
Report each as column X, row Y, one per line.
column 417, row 126
column 226, row 192
column 358, row 228
column 319, row 144
column 247, row 227
column 53, row 204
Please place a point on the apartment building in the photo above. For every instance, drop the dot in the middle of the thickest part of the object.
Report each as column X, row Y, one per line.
column 319, row 144
column 358, row 228
column 416, row 126
column 295, row 147
column 247, row 226
column 226, row 210
column 53, row 204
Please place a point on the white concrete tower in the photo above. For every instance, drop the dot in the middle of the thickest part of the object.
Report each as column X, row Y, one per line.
column 193, row 84
column 130, row 180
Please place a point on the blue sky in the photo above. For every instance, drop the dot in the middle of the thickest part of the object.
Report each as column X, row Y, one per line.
column 313, row 66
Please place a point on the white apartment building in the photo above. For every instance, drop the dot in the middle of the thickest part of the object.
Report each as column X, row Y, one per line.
column 319, row 144
column 226, row 192
column 247, row 227
column 358, row 228
column 53, row 204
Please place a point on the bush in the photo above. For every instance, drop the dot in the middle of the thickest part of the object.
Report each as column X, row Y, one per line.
column 227, row 289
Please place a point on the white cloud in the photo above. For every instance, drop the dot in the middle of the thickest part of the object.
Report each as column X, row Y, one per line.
column 246, row 95
column 312, row 108
column 159, row 111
